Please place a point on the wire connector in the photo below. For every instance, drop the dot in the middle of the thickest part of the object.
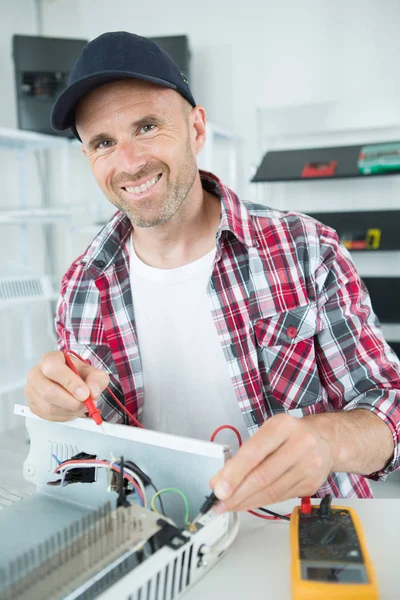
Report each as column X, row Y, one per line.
column 121, row 500
column 324, row 510
column 210, row 501
column 306, row 507
column 83, row 475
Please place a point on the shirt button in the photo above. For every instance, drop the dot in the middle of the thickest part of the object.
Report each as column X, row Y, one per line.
column 291, row 332
column 100, row 263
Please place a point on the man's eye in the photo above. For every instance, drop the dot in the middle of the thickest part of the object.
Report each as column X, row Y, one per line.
column 146, row 128
column 104, row 144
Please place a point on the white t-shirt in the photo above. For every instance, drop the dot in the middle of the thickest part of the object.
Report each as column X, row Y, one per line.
column 187, row 387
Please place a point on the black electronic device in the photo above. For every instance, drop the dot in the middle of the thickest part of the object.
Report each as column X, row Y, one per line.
column 42, row 66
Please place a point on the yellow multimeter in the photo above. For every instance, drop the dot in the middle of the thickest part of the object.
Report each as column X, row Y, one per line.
column 329, row 555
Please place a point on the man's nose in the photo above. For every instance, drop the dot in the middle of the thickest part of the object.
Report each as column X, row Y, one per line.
column 130, row 157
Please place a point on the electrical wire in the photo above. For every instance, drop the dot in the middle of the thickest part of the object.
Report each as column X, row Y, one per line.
column 119, row 403
column 274, row 514
column 172, row 489
column 271, row 515
column 239, row 437
column 58, row 461
column 159, row 499
column 66, row 466
column 137, row 479
column 127, row 469
column 226, row 541
column 113, row 464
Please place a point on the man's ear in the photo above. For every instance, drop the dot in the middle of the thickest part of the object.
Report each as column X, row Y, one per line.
column 197, row 122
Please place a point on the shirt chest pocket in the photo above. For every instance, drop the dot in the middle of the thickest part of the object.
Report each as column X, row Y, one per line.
column 286, row 350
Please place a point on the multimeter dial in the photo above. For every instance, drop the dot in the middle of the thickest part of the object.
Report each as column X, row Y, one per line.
column 329, row 539
column 327, row 534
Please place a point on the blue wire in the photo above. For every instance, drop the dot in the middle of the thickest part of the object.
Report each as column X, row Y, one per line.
column 114, row 465
column 134, row 490
column 55, row 457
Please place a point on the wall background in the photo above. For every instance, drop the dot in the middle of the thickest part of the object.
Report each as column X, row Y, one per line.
column 245, row 56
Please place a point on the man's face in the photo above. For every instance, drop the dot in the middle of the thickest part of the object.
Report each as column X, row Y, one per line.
column 141, row 145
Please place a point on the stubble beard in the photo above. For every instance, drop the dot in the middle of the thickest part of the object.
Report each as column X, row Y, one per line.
column 174, row 196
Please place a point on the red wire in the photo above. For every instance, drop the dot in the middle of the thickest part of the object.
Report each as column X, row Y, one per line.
column 126, row 411
column 239, row 437
column 214, row 435
column 268, row 518
column 130, row 415
column 105, row 463
column 136, row 422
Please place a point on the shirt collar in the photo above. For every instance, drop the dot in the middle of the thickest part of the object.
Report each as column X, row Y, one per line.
column 107, row 245
column 234, row 215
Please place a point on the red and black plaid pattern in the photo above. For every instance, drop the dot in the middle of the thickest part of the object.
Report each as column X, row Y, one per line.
column 294, row 321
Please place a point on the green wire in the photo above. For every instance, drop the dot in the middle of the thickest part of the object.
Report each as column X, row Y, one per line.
column 178, row 492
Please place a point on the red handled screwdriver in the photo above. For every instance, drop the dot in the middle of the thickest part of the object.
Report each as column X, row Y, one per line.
column 93, row 411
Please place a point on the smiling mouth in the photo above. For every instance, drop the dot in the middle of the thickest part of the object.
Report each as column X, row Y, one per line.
column 141, row 189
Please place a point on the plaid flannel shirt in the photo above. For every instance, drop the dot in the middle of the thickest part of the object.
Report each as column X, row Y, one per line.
column 294, row 320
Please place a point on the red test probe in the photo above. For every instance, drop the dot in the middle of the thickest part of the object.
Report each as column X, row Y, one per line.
column 94, row 412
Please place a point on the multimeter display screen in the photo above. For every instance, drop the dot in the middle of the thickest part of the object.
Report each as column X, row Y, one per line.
column 338, row 573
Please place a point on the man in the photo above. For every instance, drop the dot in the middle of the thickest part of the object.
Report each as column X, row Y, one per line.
column 201, row 310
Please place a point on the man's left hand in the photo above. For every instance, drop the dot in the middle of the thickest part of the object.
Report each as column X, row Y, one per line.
column 286, row 458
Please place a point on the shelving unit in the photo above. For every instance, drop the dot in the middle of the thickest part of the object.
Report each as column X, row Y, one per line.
column 35, row 215
column 26, row 292
column 220, row 155
column 287, row 165
column 28, row 140
column 348, row 201
column 348, row 223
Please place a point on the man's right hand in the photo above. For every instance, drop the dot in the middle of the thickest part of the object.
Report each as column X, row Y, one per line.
column 55, row 393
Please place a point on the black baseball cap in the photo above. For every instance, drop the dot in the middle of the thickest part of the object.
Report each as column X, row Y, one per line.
column 111, row 57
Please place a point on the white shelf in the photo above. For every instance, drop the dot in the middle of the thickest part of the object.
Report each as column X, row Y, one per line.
column 219, row 132
column 35, row 215
column 17, row 138
column 220, row 154
column 20, row 284
column 25, row 289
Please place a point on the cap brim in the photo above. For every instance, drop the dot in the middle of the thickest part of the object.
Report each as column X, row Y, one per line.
column 62, row 116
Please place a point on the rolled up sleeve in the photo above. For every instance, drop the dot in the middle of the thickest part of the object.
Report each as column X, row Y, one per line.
column 357, row 367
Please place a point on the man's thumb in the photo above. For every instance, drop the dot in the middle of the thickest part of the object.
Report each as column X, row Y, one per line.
column 96, row 380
